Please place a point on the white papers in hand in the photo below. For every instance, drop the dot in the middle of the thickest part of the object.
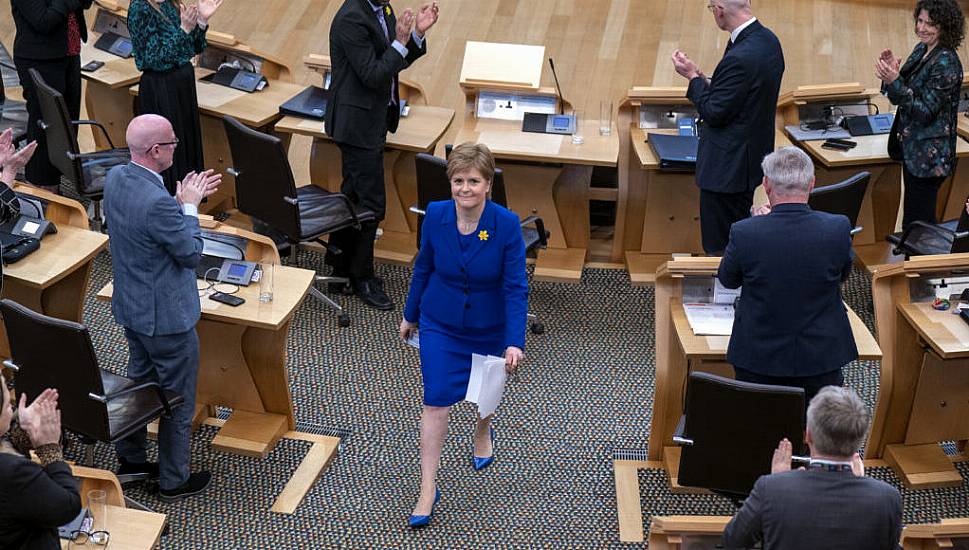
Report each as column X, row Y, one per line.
column 709, row 319
column 487, row 383
column 414, row 340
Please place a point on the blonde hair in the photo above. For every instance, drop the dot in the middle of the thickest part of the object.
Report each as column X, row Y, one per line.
column 471, row 155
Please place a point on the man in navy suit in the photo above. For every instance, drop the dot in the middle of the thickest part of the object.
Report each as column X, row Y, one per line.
column 369, row 46
column 790, row 327
column 736, row 107
column 155, row 246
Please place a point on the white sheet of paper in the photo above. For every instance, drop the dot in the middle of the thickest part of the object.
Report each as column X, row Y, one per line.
column 486, row 386
column 414, row 340
column 710, row 319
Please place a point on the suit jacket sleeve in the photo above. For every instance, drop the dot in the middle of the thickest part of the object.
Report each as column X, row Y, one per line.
column 718, row 102
column 50, row 494
column 44, row 18
column 177, row 233
column 846, row 270
column 896, row 527
column 423, row 266
column 515, row 286
column 746, row 528
column 374, row 72
column 729, row 273
column 926, row 102
column 415, row 51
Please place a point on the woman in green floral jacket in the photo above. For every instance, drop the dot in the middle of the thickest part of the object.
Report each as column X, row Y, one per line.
column 926, row 89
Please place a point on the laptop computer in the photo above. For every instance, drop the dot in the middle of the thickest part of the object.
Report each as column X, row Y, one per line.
column 676, row 153
column 310, row 103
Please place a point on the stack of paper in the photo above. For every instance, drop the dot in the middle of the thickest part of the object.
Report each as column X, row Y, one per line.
column 709, row 319
column 487, row 383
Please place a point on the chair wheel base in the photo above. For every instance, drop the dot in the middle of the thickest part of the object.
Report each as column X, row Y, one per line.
column 343, row 320
column 538, row 328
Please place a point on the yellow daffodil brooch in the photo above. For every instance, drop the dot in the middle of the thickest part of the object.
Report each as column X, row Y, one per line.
column 387, row 9
column 483, row 235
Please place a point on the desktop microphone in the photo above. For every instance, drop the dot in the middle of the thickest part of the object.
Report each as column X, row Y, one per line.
column 550, row 124
column 557, row 87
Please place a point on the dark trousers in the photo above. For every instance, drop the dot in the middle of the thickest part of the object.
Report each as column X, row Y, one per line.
column 920, row 197
column 172, row 94
column 718, row 211
column 811, row 384
column 64, row 75
column 172, row 361
column 363, row 184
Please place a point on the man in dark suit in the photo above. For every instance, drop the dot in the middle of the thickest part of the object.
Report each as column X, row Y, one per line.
column 830, row 504
column 791, row 327
column 736, row 107
column 369, row 46
column 155, row 246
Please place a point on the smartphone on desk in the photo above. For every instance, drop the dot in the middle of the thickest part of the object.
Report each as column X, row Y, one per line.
column 227, row 299
column 836, row 145
column 92, row 66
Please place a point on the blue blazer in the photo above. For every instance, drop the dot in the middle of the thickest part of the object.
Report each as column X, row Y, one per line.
column 737, row 109
column 154, row 251
column 489, row 292
column 791, row 320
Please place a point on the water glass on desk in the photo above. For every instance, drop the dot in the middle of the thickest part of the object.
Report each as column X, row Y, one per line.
column 577, row 138
column 97, row 504
column 605, row 118
column 266, row 281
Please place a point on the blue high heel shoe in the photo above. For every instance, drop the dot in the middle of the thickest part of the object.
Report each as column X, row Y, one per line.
column 482, row 463
column 423, row 521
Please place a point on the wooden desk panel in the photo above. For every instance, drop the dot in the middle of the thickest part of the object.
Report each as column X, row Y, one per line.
column 130, row 529
column 507, row 141
column 946, row 333
column 418, row 132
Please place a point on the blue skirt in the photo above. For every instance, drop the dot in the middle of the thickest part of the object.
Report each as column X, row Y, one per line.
column 446, row 358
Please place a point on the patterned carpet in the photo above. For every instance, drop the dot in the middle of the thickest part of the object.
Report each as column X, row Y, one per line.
column 584, row 393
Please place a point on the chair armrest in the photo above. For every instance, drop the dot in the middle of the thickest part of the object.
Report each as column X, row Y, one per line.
column 539, row 227
column 91, row 155
column 154, row 385
column 337, row 197
column 11, row 365
column 900, row 248
column 857, row 229
column 413, row 208
column 678, row 436
column 8, row 65
column 99, row 125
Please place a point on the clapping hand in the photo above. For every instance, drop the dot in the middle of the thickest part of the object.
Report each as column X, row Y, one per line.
column 761, row 210
column 6, row 146
column 405, row 22
column 207, row 8
column 41, row 420
column 13, row 160
column 887, row 67
column 684, row 65
column 195, row 187
column 781, row 462
column 426, row 17
column 513, row 357
column 189, row 16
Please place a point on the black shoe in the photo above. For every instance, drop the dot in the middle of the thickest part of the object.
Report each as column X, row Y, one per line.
column 196, row 483
column 371, row 292
column 137, row 471
column 339, row 288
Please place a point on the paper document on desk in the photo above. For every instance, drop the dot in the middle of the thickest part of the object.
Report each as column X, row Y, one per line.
column 487, row 383
column 709, row 319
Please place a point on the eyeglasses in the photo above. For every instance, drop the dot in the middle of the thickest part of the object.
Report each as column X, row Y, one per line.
column 712, row 6
column 97, row 538
column 175, row 143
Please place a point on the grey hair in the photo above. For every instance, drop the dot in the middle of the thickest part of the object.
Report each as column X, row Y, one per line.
column 838, row 421
column 734, row 6
column 789, row 171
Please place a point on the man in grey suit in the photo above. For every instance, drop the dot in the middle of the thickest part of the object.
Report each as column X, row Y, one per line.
column 829, row 505
column 155, row 246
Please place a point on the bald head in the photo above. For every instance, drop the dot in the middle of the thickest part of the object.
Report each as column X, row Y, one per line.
column 730, row 14
column 146, row 131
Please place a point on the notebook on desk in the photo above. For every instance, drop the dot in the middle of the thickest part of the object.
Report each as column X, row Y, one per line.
column 676, row 153
column 310, row 103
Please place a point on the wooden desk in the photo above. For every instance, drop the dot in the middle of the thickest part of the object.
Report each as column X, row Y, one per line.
column 418, row 132
column 106, row 95
column 53, row 280
column 131, row 529
column 686, row 532
column 679, row 351
column 949, row 533
column 258, row 110
column 242, row 362
column 924, row 374
column 549, row 176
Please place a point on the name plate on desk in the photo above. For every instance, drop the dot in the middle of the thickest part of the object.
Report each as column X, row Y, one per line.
column 505, row 106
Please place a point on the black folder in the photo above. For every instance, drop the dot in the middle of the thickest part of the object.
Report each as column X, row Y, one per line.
column 310, row 103
column 676, row 153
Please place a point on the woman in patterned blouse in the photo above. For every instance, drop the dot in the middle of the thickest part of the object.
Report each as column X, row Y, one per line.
column 926, row 89
column 165, row 36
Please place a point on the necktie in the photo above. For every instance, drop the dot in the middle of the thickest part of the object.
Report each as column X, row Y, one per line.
column 729, row 45
column 382, row 21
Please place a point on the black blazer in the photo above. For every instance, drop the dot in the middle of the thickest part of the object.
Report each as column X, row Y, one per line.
column 42, row 26
column 807, row 510
column 791, row 320
column 737, row 108
column 34, row 501
column 364, row 66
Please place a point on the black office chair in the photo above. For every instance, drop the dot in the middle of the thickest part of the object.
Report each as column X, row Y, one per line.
column 730, row 429
column 842, row 198
column 13, row 114
column 85, row 171
column 266, row 191
column 434, row 185
column 925, row 239
column 95, row 404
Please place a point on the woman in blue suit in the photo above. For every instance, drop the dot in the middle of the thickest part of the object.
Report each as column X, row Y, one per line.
column 469, row 294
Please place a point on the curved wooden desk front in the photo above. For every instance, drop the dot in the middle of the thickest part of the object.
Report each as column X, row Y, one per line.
column 924, row 374
column 242, row 363
column 53, row 280
column 418, row 132
column 679, row 351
